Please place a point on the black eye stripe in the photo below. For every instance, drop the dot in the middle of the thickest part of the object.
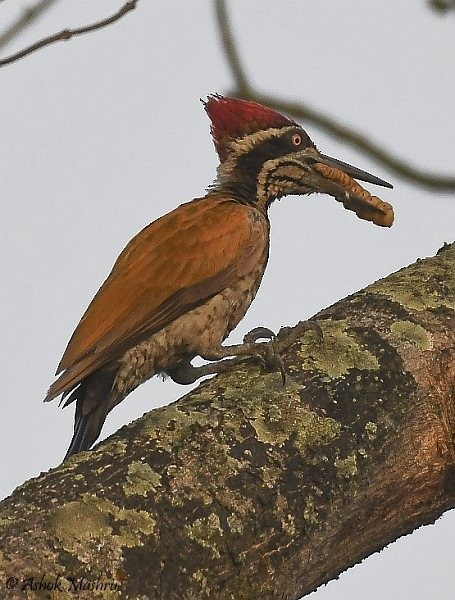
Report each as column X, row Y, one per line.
column 272, row 147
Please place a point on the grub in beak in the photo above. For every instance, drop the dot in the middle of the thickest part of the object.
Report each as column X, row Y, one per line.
column 354, row 197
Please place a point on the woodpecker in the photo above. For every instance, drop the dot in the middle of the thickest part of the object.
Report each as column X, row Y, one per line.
column 184, row 282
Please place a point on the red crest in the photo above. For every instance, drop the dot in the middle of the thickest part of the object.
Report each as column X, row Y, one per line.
column 234, row 118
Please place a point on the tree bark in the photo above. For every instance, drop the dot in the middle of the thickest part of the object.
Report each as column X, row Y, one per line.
column 246, row 489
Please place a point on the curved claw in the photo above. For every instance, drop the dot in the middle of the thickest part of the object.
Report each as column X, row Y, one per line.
column 292, row 335
column 303, row 326
column 258, row 333
column 271, row 360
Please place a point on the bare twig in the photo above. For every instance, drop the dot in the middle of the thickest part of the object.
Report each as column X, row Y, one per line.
column 359, row 141
column 230, row 47
column 29, row 16
column 67, row 34
column 443, row 6
column 300, row 110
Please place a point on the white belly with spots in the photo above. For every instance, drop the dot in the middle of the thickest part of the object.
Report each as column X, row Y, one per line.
column 199, row 332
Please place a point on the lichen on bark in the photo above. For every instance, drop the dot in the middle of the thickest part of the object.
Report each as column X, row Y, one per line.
column 245, row 488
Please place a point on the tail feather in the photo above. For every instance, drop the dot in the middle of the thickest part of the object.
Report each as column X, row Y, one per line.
column 93, row 402
column 87, row 429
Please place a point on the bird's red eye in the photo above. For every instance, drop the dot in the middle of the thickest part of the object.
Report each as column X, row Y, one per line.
column 296, row 139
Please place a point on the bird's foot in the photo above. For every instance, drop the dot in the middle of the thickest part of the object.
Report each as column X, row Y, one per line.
column 258, row 333
column 270, row 353
column 266, row 352
column 185, row 373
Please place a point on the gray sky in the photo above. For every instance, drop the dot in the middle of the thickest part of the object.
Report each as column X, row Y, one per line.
column 103, row 134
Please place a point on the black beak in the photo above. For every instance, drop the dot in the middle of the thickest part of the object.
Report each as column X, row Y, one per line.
column 353, row 172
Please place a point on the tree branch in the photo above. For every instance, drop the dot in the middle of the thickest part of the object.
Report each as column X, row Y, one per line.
column 245, row 489
column 442, row 6
column 29, row 16
column 230, row 49
column 67, row 34
column 303, row 111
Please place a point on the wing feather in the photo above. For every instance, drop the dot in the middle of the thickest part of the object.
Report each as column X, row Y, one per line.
column 171, row 266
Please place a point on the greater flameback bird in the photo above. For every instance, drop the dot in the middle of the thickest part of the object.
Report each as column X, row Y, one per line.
column 185, row 281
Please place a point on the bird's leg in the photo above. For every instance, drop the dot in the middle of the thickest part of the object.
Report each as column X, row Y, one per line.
column 268, row 353
column 185, row 373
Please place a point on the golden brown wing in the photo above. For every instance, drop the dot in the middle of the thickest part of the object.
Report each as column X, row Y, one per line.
column 174, row 264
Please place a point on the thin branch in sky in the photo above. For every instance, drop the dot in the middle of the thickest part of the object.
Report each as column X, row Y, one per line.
column 67, row 34
column 442, row 6
column 28, row 16
column 230, row 47
column 357, row 139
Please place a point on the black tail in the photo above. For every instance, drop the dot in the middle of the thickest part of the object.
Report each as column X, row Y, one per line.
column 93, row 403
column 87, row 428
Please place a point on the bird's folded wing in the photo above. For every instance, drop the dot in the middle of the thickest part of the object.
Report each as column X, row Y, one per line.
column 176, row 263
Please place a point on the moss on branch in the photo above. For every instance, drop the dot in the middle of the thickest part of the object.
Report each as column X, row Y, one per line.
column 245, row 489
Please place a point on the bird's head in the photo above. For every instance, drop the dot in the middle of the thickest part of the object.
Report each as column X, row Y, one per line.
column 265, row 156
